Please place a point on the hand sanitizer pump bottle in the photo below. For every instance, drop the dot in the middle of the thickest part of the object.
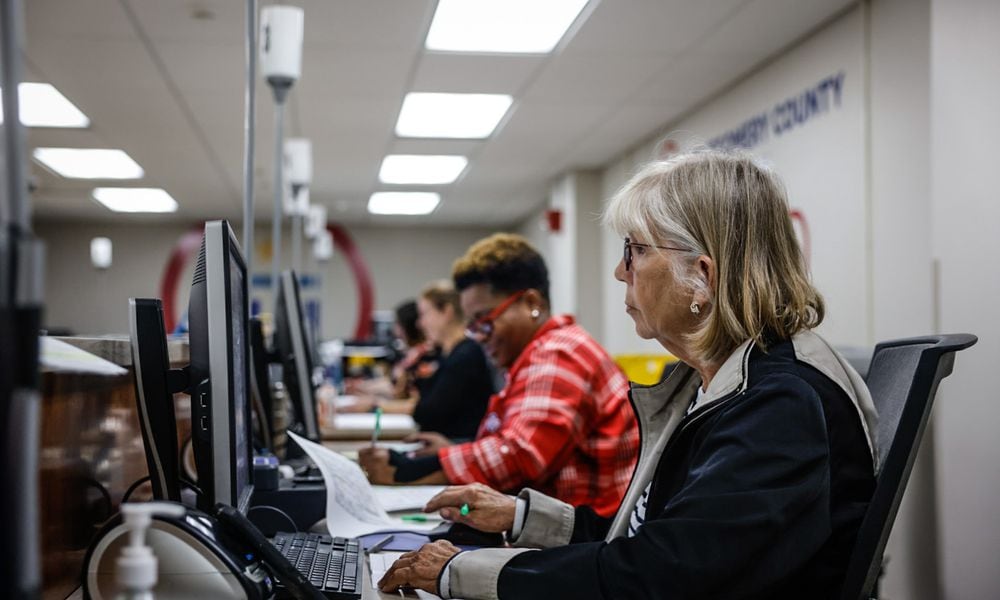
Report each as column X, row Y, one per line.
column 137, row 566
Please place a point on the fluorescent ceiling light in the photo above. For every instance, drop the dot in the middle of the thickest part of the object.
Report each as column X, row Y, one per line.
column 89, row 163
column 403, row 203
column 421, row 168
column 136, row 200
column 43, row 106
column 514, row 26
column 433, row 115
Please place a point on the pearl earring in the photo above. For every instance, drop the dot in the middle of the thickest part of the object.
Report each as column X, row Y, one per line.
column 535, row 313
column 694, row 308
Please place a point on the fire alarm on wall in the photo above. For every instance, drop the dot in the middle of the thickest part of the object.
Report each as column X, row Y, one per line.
column 553, row 219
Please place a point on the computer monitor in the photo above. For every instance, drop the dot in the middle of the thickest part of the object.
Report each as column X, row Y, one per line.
column 292, row 347
column 154, row 394
column 260, row 383
column 219, row 373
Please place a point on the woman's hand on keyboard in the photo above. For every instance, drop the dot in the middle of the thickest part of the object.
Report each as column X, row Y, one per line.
column 489, row 510
column 419, row 569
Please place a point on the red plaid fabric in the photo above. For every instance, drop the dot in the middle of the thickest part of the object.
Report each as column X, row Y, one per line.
column 562, row 425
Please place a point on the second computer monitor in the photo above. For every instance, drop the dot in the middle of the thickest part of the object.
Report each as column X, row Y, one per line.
column 154, row 396
column 220, row 385
column 291, row 344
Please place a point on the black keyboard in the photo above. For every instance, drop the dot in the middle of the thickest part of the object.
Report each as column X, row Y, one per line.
column 332, row 565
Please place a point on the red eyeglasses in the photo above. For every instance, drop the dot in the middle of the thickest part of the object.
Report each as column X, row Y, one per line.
column 482, row 328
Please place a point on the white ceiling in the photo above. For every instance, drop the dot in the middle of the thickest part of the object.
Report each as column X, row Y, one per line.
column 168, row 88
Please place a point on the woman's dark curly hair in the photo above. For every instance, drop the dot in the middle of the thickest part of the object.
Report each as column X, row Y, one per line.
column 504, row 261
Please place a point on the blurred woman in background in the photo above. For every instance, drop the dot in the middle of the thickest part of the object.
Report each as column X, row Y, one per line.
column 420, row 360
column 452, row 400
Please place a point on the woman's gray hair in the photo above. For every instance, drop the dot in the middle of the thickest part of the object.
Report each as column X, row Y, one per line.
column 725, row 206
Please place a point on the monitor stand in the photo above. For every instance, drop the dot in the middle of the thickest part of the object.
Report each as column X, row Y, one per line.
column 291, row 507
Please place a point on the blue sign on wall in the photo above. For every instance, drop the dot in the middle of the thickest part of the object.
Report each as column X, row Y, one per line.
column 785, row 115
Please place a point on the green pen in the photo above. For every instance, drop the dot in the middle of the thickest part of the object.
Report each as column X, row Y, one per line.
column 465, row 510
column 378, row 425
column 416, row 518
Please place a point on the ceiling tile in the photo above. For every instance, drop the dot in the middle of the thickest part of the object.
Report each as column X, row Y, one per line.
column 176, row 105
column 483, row 74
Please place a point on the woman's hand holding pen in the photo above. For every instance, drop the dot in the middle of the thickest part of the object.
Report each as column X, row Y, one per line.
column 375, row 463
column 488, row 509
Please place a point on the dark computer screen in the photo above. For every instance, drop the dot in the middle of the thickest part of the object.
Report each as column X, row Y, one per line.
column 260, row 386
column 241, row 404
column 291, row 344
column 154, row 398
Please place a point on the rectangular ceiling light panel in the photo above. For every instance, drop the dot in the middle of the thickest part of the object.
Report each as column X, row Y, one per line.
column 501, row 26
column 42, row 105
column 439, row 115
column 403, row 203
column 136, row 200
column 89, row 163
column 419, row 169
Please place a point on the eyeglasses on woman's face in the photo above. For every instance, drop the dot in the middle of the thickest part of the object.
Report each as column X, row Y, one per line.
column 627, row 256
column 481, row 329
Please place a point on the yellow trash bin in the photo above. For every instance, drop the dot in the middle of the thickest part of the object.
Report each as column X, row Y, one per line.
column 644, row 369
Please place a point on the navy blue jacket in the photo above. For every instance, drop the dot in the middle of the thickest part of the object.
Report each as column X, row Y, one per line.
column 757, row 494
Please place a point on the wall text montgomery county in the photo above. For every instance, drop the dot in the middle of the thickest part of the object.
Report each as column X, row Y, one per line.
column 786, row 115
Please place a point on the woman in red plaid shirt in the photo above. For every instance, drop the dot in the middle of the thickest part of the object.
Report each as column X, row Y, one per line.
column 562, row 424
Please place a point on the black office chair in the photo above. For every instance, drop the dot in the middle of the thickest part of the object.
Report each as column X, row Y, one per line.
column 903, row 379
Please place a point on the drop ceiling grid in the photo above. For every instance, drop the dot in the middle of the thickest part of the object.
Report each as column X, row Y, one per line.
column 626, row 70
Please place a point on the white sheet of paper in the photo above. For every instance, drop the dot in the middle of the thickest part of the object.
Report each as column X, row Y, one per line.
column 352, row 508
column 57, row 355
column 366, row 421
column 409, row 497
column 345, row 401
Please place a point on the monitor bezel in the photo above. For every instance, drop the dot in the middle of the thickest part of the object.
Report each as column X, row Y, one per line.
column 151, row 367
column 301, row 359
column 220, row 241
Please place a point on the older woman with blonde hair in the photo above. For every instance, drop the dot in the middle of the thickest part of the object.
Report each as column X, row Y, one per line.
column 756, row 461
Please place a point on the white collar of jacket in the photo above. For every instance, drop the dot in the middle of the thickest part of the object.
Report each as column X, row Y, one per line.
column 817, row 352
column 655, row 403
column 660, row 408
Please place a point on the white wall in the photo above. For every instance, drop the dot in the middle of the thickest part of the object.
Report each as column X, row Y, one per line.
column 88, row 301
column 821, row 161
column 899, row 117
column 401, row 260
column 590, row 280
column 965, row 121
column 573, row 254
column 561, row 257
